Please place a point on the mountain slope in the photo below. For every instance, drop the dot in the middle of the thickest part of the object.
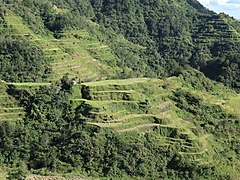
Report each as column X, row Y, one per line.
column 180, row 30
column 105, row 89
column 184, row 127
column 167, row 36
column 65, row 55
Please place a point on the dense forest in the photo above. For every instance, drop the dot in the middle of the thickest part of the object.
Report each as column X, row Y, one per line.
column 21, row 62
column 139, row 89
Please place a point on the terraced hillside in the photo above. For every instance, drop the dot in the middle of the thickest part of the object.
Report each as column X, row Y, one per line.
column 68, row 54
column 73, row 56
column 168, row 122
column 95, row 51
column 142, row 105
column 9, row 106
column 212, row 28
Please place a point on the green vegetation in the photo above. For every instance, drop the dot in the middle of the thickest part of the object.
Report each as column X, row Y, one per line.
column 158, row 40
column 21, row 62
column 10, row 110
column 120, row 128
column 118, row 90
column 68, row 54
column 182, row 32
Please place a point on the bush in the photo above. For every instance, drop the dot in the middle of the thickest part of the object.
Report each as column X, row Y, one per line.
column 21, row 61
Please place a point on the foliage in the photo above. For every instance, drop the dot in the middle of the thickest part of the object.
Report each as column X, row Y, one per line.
column 172, row 34
column 20, row 61
column 147, row 38
column 54, row 137
column 212, row 118
column 179, row 34
column 18, row 173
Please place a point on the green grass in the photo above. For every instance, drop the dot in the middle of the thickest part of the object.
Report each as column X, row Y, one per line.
column 118, row 82
column 15, row 22
column 233, row 104
column 9, row 108
column 142, row 128
column 3, row 173
column 67, row 54
column 29, row 84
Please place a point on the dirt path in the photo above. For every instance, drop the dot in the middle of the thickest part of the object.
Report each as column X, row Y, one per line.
column 138, row 127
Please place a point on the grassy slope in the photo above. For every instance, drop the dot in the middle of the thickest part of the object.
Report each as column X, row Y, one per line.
column 9, row 108
column 111, row 95
column 69, row 54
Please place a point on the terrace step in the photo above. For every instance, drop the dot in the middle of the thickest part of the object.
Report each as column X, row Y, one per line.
column 11, row 115
column 140, row 128
column 11, row 110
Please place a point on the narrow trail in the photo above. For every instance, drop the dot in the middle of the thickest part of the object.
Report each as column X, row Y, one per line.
column 131, row 116
column 29, row 84
column 138, row 127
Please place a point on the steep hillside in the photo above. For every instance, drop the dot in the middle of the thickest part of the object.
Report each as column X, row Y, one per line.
column 175, row 107
column 182, row 31
column 118, row 90
column 135, row 38
column 9, row 106
column 67, row 54
column 183, row 127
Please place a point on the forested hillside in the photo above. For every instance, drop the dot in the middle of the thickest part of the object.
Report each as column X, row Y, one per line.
column 109, row 89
